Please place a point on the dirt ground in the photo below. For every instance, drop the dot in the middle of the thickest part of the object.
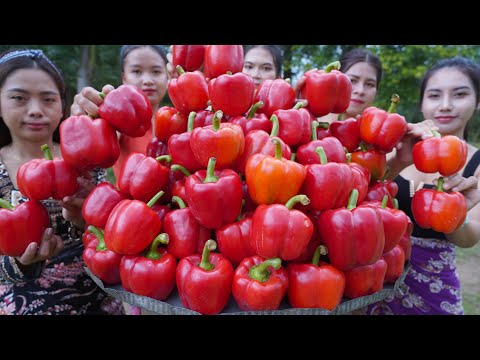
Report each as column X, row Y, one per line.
column 468, row 264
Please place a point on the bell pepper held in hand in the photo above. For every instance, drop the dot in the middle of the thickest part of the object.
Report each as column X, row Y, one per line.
column 204, row 282
column 214, row 196
column 259, row 284
column 40, row 179
column 443, row 212
column 447, row 154
column 189, row 57
column 279, row 231
column 273, row 179
column 21, row 225
column 128, row 110
column 315, row 285
column 151, row 275
column 88, row 143
column 220, row 59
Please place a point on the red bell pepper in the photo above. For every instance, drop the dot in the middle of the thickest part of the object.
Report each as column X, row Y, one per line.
column 253, row 121
column 447, row 154
column 273, row 179
column 315, row 285
column 354, row 235
column 395, row 260
column 361, row 179
column 394, row 223
column 99, row 204
column 180, row 150
column 328, row 185
column 188, row 92
column 40, row 179
column 365, row 280
column 214, row 196
column 405, row 241
column 187, row 236
column 204, row 117
column 141, row 176
column 279, row 231
column 132, row 226
column 152, row 275
column 219, row 59
column 348, row 132
column 276, row 94
column 156, row 148
column 436, row 209
column 225, row 142
column 103, row 263
column 323, row 130
column 259, row 284
column 232, row 94
column 177, row 188
column 382, row 129
column 333, row 148
column 189, row 57
column 88, row 143
column 204, row 282
column 169, row 121
column 307, row 254
column 233, row 240
column 295, row 125
column 128, row 110
column 374, row 160
column 21, row 225
column 380, row 188
column 259, row 142
column 327, row 91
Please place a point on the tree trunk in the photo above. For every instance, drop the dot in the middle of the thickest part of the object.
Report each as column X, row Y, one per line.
column 87, row 64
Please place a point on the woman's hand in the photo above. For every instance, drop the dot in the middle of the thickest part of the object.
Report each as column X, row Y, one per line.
column 298, row 88
column 467, row 186
column 87, row 101
column 49, row 247
column 72, row 205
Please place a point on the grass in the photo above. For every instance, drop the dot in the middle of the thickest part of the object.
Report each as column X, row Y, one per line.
column 467, row 263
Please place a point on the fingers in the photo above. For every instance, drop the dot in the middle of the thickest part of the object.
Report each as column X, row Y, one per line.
column 50, row 246
column 106, row 89
column 459, row 183
column 422, row 130
column 88, row 101
column 85, row 187
column 299, row 84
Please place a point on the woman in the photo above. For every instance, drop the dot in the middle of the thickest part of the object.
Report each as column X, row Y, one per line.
column 48, row 278
column 263, row 62
column 143, row 66
column 449, row 96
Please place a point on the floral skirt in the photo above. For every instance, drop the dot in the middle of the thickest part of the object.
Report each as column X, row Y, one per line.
column 431, row 287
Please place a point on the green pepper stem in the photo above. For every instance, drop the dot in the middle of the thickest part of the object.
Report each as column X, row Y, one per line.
column 179, row 201
column 298, row 105
column 102, row 95
column 180, row 70
column 205, row 264
column 153, row 252
column 384, row 201
column 155, row 198
column 275, row 126
column 315, row 125
column 100, row 236
column 394, row 103
column 320, row 250
column 261, row 273
column 352, row 201
column 47, row 152
column 395, row 203
column 211, row 171
column 166, row 158
column 321, row 153
column 349, row 156
column 254, row 109
column 176, row 167
column 191, row 121
column 303, row 199
column 333, row 66
column 440, row 184
column 217, row 117
column 436, row 133
column 6, row 205
column 293, row 157
column 278, row 149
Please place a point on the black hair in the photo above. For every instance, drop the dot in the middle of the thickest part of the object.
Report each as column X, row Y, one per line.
column 277, row 56
column 127, row 49
column 355, row 56
column 16, row 59
column 462, row 64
